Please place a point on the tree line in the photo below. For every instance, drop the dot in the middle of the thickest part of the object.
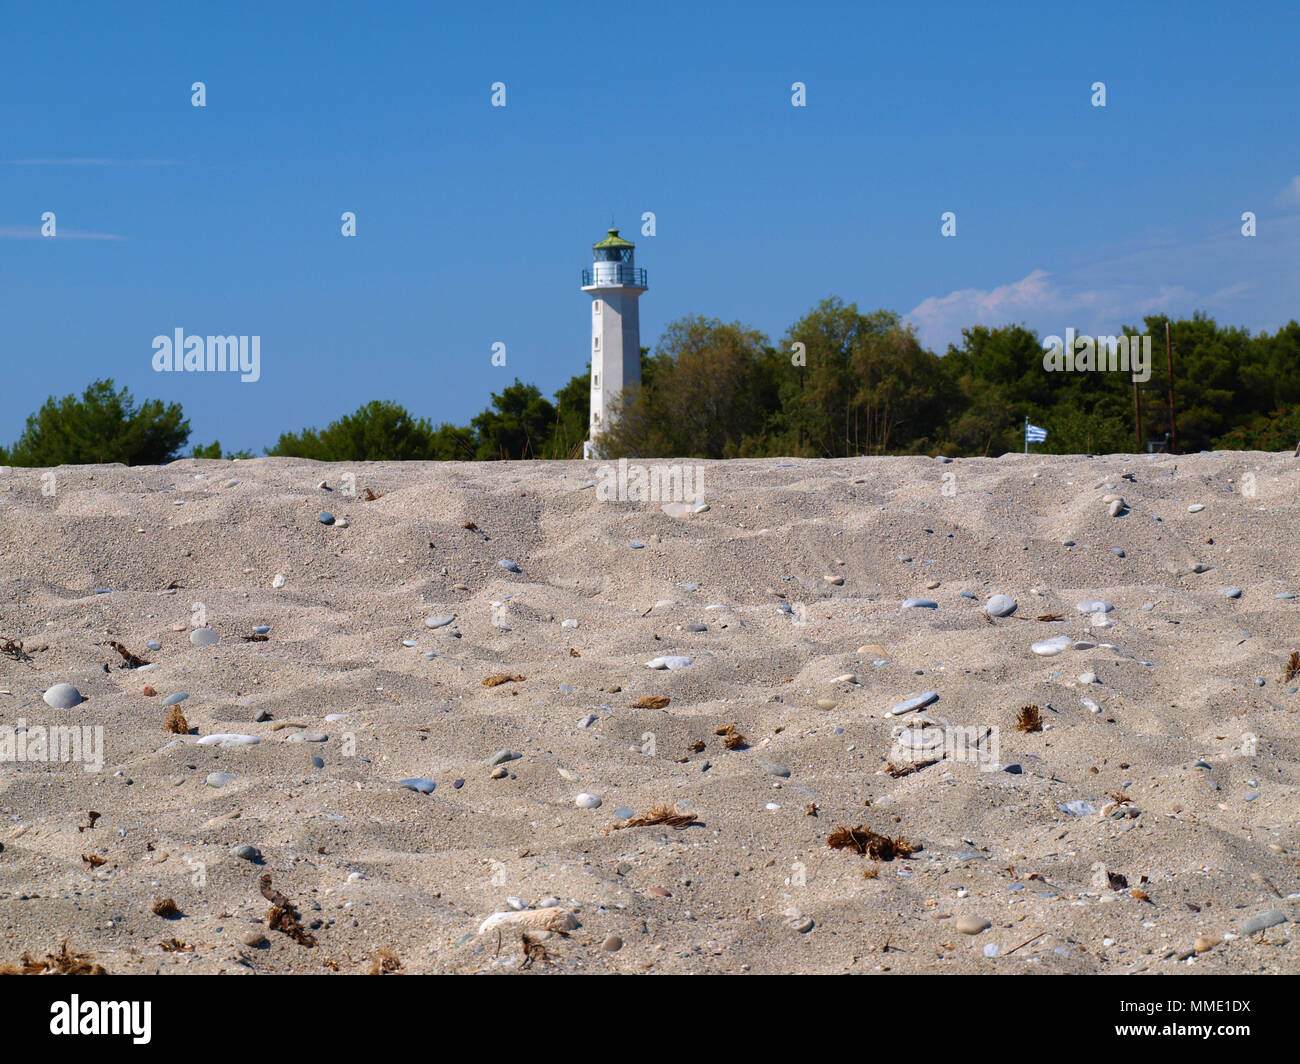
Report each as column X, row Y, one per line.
column 839, row 383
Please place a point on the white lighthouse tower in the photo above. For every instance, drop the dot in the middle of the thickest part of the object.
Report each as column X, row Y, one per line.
column 615, row 284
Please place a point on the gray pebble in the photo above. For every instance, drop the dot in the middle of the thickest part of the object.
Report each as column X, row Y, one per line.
column 1232, row 592
column 246, row 852
column 179, row 696
column 919, row 604
column 1000, row 606
column 507, row 564
column 325, row 517
column 219, row 779
column 772, row 768
column 1262, row 921
column 418, row 783
column 62, row 696
column 502, row 756
column 439, row 620
column 204, row 637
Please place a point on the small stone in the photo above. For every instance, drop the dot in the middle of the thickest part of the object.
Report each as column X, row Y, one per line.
column 612, row 944
column 1206, row 942
column 307, row 737
column 1195, row 508
column 204, row 637
column 1262, row 921
column 317, row 762
column 246, row 852
column 325, row 517
column 569, row 623
column 660, row 892
column 915, row 702
column 62, row 696
column 171, row 700
column 148, row 691
column 499, row 773
column 278, row 581
column 1232, row 592
column 509, row 566
column 919, row 604
column 587, row 801
column 440, row 620
column 772, row 768
column 502, row 756
column 671, row 661
column 1087, row 677
column 972, row 925
column 419, row 783
column 219, row 779
column 263, row 715
column 636, row 544
column 254, row 939
column 1116, row 507
column 229, row 739
column 1050, row 647
column 1000, row 606
column 826, row 703
column 1094, row 606
column 836, row 581
column 695, row 627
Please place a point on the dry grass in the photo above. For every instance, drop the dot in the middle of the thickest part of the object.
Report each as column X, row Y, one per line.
column 61, row 963
column 176, row 722
column 1029, row 719
column 658, row 814
column 867, row 843
column 650, row 702
column 498, row 678
column 1292, row 667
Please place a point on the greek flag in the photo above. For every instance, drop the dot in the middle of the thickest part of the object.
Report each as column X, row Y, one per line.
column 1034, row 434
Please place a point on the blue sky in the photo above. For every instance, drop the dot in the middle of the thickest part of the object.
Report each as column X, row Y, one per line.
column 473, row 222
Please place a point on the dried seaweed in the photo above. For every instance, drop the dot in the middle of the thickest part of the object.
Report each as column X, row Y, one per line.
column 256, row 637
column 650, row 702
column 283, row 915
column 869, row 844
column 658, row 814
column 534, row 950
column 61, row 963
column 386, row 962
column 93, row 860
column 14, row 650
column 131, row 661
column 166, row 908
column 1050, row 617
column 371, row 496
column 498, row 678
column 91, row 817
column 175, row 945
column 1292, row 667
column 731, row 738
column 1029, row 719
column 176, row 723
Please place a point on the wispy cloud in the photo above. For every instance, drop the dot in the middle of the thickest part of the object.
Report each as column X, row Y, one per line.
column 90, row 162
column 33, row 232
column 1290, row 196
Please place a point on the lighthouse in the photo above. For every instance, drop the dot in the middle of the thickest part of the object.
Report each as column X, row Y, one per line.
column 615, row 284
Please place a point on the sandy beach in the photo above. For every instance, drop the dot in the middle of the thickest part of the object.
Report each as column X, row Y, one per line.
column 1150, row 822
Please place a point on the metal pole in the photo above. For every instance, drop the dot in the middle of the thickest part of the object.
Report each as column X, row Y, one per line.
column 1173, row 430
column 1026, row 435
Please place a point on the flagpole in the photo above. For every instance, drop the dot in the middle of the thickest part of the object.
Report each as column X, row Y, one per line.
column 1026, row 434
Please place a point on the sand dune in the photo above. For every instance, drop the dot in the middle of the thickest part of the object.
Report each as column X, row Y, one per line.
column 1122, row 837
